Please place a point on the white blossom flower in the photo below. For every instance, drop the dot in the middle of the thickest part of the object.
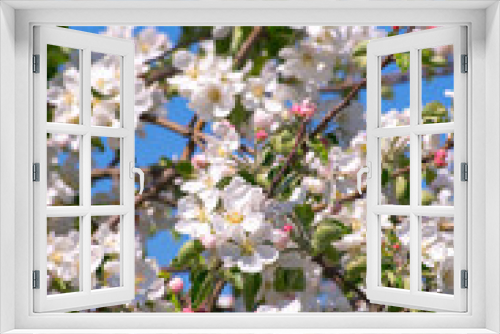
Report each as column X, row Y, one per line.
column 307, row 63
column 248, row 251
column 195, row 216
column 63, row 256
column 64, row 94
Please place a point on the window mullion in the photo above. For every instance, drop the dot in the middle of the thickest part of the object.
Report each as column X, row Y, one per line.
column 86, row 173
column 414, row 170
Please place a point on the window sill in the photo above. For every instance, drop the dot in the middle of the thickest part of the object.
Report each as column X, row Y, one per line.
column 246, row 331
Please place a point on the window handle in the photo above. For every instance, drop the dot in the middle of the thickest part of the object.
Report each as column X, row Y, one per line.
column 366, row 169
column 134, row 170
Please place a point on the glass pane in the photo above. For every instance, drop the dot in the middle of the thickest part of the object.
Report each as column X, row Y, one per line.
column 63, row 255
column 395, row 178
column 105, row 171
column 437, row 254
column 105, row 83
column 63, row 85
column 395, row 91
column 395, row 251
column 437, row 84
column 105, row 249
column 437, row 169
column 63, row 169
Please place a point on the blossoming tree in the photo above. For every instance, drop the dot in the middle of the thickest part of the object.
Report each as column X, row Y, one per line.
column 264, row 191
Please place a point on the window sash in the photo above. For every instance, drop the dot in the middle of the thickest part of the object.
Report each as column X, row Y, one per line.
column 412, row 43
column 86, row 298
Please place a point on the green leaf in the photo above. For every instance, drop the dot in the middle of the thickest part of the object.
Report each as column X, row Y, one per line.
column 305, row 214
column 251, row 285
column 189, row 251
column 236, row 39
column 247, row 176
column 202, row 284
column 403, row 61
column 268, row 158
column 165, row 162
column 324, row 235
column 320, row 150
column 332, row 138
column 175, row 301
column 235, row 277
column 239, row 116
column 97, row 142
column 184, row 168
column 289, row 280
column 56, row 56
column 435, row 112
column 385, row 177
column 223, row 182
column 400, row 186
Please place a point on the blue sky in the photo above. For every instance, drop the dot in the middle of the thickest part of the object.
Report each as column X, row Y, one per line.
column 160, row 142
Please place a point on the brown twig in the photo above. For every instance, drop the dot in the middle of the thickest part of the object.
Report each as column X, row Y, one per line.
column 298, row 141
column 209, row 303
column 242, row 54
column 349, row 98
column 388, row 79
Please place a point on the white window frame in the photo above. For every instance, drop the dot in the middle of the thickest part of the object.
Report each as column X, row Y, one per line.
column 86, row 297
column 484, row 103
column 413, row 43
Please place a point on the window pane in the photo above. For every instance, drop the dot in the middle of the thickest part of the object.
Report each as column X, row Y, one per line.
column 437, row 84
column 105, row 265
column 395, row 251
column 63, row 169
column 437, row 254
column 63, row 85
column 105, row 83
column 437, row 169
column 105, row 171
column 395, row 178
column 63, row 255
column 395, row 91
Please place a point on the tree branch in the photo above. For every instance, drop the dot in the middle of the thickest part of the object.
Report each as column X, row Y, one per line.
column 298, row 141
column 388, row 79
column 242, row 54
column 348, row 99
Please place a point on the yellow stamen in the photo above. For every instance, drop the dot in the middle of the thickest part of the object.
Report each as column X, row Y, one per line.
column 234, row 218
column 214, row 95
column 258, row 91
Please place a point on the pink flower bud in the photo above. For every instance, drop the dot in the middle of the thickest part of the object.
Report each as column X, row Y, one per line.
column 305, row 109
column 440, row 158
column 187, row 310
column 176, row 284
column 199, row 161
column 296, row 109
column 308, row 109
column 208, row 241
column 261, row 135
column 262, row 119
column 280, row 239
column 287, row 228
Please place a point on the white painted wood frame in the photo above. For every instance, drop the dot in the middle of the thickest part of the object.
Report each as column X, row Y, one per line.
column 483, row 19
column 85, row 44
column 414, row 43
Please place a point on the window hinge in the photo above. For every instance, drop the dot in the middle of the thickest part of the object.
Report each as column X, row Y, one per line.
column 464, row 279
column 36, row 279
column 465, row 63
column 464, row 171
column 36, row 172
column 36, row 63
